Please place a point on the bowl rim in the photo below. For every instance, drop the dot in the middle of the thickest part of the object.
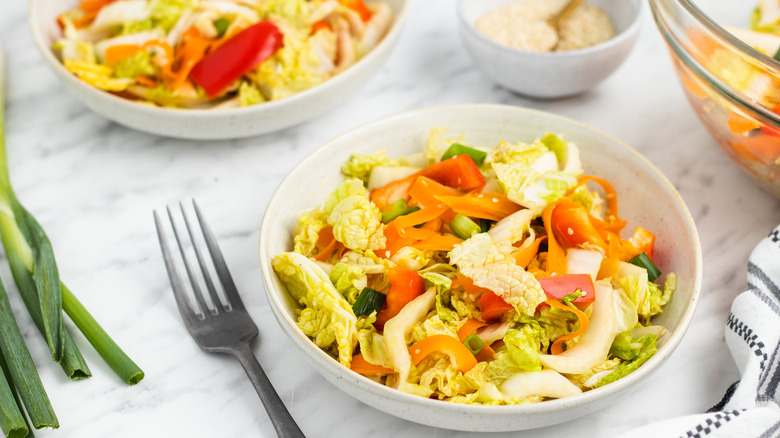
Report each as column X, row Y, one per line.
column 48, row 55
column 740, row 47
column 618, row 39
column 333, row 368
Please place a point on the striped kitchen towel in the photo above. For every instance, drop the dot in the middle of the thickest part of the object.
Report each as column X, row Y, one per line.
column 751, row 406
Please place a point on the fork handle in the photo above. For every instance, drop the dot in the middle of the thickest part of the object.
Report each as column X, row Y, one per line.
column 280, row 417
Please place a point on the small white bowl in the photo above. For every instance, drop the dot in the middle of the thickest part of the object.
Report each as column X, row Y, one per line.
column 646, row 198
column 550, row 74
column 208, row 124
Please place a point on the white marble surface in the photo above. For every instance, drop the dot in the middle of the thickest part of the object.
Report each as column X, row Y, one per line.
column 93, row 185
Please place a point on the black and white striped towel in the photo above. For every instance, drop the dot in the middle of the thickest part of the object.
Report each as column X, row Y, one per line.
column 751, row 407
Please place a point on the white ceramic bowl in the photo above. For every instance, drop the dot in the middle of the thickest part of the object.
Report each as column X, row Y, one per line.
column 210, row 124
column 646, row 197
column 550, row 74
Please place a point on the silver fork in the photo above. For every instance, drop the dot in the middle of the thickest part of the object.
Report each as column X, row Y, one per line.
column 224, row 327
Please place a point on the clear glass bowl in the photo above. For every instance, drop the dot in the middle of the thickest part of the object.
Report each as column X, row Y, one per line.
column 733, row 88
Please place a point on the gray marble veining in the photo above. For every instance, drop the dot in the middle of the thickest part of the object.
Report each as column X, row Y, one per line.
column 93, row 185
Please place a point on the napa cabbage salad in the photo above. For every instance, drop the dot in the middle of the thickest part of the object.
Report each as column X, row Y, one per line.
column 474, row 275
column 216, row 53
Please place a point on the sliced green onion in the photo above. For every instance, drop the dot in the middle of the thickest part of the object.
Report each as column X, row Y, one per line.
column 396, row 209
column 485, row 224
column 474, row 344
column 464, row 227
column 221, row 25
column 777, row 55
column 567, row 300
column 22, row 369
column 368, row 301
column 643, row 261
column 458, row 149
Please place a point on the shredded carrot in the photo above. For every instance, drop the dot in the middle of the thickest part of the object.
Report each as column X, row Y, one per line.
column 360, row 365
column 424, row 192
column 91, row 9
column 420, row 233
column 190, row 51
column 615, row 224
column 491, row 206
column 119, row 52
column 416, row 218
column 525, row 255
column 441, row 243
column 320, row 25
column 146, row 81
column 328, row 243
column 739, row 124
column 557, row 346
column 394, row 242
column 610, row 265
column 556, row 257
column 434, row 225
column 469, row 327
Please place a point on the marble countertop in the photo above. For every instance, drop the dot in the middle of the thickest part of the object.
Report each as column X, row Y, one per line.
column 93, row 185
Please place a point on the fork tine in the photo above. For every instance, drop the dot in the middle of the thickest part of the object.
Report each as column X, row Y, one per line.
column 193, row 280
column 231, row 293
column 201, row 261
column 173, row 274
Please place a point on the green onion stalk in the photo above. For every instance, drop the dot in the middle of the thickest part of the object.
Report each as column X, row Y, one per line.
column 28, row 249
column 12, row 422
column 22, row 369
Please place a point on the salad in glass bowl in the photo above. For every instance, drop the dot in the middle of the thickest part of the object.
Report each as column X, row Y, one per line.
column 476, row 275
column 216, row 53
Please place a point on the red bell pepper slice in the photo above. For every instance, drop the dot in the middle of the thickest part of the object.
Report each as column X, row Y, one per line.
column 558, row 286
column 405, row 285
column 237, row 56
column 492, row 305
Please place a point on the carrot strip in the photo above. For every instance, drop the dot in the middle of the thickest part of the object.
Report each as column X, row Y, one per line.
column 441, row 243
column 491, row 206
column 146, row 81
column 424, row 191
column 420, row 233
column 394, row 242
column 416, row 218
column 610, row 265
column 612, row 217
column 469, row 327
column 557, row 346
column 328, row 243
column 525, row 255
column 556, row 257
column 192, row 49
column 434, row 224
column 360, row 365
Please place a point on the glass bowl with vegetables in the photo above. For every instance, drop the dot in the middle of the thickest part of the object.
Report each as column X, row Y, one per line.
column 214, row 69
column 468, row 267
column 726, row 55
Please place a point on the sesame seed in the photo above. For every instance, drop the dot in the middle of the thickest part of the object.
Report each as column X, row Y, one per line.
column 387, row 253
column 495, row 200
column 570, row 231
